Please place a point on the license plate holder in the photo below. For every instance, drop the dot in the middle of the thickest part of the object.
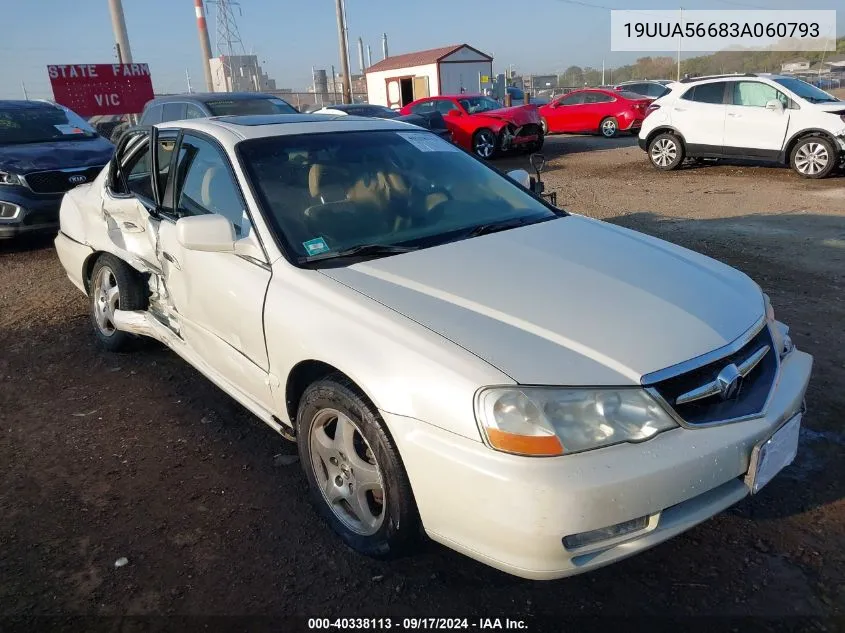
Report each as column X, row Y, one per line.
column 772, row 455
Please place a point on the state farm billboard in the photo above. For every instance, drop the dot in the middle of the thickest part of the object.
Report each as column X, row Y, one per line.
column 91, row 89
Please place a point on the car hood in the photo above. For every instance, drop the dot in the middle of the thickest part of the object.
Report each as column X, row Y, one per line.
column 28, row 157
column 518, row 115
column 833, row 108
column 571, row 301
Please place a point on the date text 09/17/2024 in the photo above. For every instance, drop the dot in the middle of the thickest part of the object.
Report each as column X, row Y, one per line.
column 411, row 624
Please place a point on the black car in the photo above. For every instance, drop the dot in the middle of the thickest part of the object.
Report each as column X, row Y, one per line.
column 196, row 106
column 45, row 150
column 430, row 120
column 653, row 89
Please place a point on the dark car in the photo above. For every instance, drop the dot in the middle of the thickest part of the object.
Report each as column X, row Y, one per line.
column 433, row 121
column 518, row 97
column 45, row 150
column 196, row 106
column 653, row 89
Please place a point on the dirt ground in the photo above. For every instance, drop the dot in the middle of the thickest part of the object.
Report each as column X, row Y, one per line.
column 138, row 456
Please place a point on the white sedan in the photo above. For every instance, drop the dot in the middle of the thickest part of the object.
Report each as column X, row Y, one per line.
column 541, row 391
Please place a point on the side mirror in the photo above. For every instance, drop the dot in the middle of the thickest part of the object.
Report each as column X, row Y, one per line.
column 521, row 176
column 210, row 233
column 774, row 105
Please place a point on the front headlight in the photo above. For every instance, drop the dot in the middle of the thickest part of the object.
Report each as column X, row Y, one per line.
column 8, row 178
column 548, row 421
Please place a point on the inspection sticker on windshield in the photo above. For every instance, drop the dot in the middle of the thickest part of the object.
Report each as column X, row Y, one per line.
column 316, row 246
column 64, row 128
column 426, row 142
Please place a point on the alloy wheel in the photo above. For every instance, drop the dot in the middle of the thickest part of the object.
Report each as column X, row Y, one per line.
column 664, row 152
column 811, row 158
column 106, row 300
column 608, row 128
column 485, row 144
column 347, row 472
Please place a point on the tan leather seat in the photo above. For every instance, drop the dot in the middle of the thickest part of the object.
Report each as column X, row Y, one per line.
column 328, row 183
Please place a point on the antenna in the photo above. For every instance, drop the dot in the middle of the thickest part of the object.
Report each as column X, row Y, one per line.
column 228, row 38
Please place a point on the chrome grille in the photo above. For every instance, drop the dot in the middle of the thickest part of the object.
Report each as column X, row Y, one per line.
column 735, row 386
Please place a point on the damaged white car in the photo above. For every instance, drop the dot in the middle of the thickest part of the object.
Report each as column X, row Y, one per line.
column 541, row 391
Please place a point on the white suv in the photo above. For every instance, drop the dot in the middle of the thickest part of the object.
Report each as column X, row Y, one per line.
column 752, row 116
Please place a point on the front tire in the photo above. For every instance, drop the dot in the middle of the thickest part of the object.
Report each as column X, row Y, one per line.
column 114, row 286
column 545, row 125
column 813, row 157
column 356, row 477
column 666, row 151
column 484, row 143
column 609, row 127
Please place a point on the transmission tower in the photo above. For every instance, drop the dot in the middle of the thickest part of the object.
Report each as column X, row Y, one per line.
column 228, row 38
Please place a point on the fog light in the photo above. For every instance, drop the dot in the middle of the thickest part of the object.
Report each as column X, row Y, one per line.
column 9, row 210
column 576, row 541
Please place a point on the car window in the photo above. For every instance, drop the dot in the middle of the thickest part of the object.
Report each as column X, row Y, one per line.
column 337, row 190
column 243, row 107
column 206, row 184
column 194, row 112
column 136, row 168
column 476, row 105
column 597, row 97
column 633, row 96
column 573, row 99
column 656, row 91
column 445, row 105
column 173, row 112
column 756, row 94
column 33, row 122
column 638, row 88
column 706, row 93
column 151, row 116
column 423, row 107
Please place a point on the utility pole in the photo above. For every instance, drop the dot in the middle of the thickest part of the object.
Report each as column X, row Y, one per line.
column 344, row 57
column 118, row 25
column 334, row 84
column 121, row 38
column 205, row 45
column 602, row 73
column 188, row 77
column 25, row 95
column 679, row 44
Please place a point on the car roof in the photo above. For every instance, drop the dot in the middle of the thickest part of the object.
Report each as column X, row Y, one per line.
column 20, row 104
column 205, row 97
column 237, row 128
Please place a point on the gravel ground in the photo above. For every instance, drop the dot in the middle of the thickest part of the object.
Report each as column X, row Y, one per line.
column 138, row 456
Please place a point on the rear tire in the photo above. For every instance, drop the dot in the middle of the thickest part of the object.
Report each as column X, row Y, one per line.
column 355, row 474
column 609, row 127
column 666, row 151
column 813, row 157
column 114, row 286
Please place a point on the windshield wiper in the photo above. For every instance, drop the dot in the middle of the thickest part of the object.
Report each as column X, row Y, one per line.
column 362, row 250
column 495, row 227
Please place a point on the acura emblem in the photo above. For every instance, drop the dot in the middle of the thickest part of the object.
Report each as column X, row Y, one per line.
column 730, row 381
column 76, row 180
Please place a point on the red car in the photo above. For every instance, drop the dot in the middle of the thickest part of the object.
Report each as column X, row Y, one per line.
column 595, row 110
column 482, row 125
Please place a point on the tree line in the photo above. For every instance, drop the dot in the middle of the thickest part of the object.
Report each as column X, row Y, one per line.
column 723, row 62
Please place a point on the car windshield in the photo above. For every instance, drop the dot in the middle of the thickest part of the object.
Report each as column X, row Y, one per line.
column 632, row 96
column 474, row 105
column 30, row 123
column 329, row 192
column 370, row 111
column 241, row 107
column 806, row 91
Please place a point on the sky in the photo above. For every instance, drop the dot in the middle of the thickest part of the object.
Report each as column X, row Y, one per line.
column 291, row 36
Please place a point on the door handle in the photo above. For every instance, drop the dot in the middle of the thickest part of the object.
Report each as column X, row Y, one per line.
column 171, row 259
column 736, row 116
column 676, row 109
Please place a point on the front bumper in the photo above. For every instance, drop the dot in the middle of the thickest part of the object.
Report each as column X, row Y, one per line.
column 37, row 213
column 513, row 512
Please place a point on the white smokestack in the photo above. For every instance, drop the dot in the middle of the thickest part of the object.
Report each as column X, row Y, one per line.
column 384, row 45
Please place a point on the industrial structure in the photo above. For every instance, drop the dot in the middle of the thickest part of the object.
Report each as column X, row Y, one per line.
column 398, row 80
